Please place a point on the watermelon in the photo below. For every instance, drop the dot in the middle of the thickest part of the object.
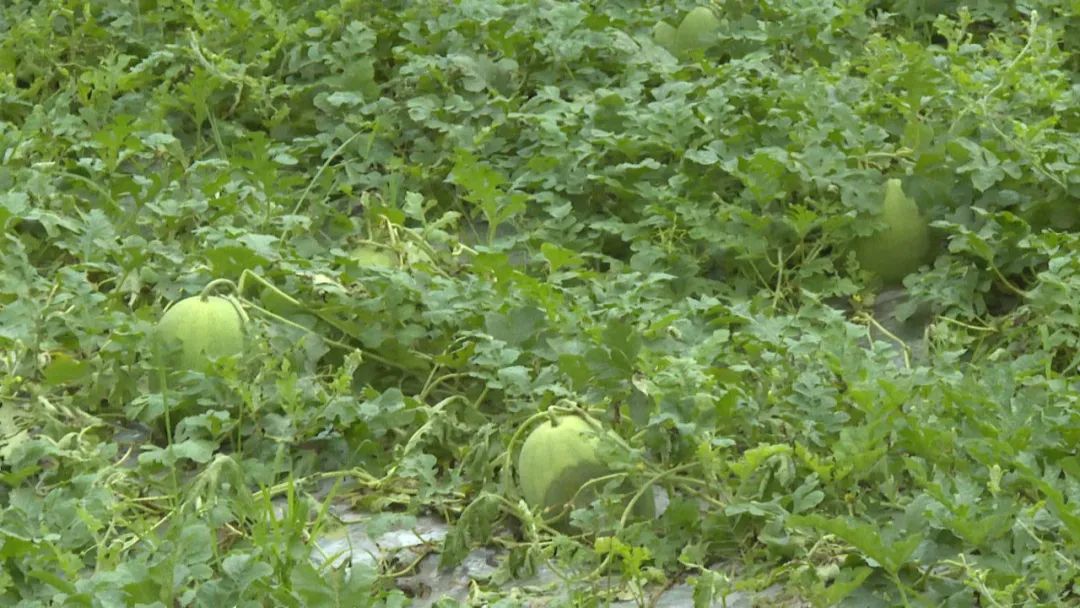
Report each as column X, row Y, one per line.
column 206, row 327
column 664, row 35
column 559, row 457
column 697, row 30
column 903, row 245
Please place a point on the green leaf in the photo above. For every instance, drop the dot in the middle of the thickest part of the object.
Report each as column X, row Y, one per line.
column 754, row 458
column 847, row 582
column 64, row 369
column 245, row 569
column 560, row 257
column 866, row 538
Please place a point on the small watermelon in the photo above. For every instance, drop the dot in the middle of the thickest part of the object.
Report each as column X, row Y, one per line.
column 558, row 458
column 903, row 245
column 663, row 34
column 697, row 30
column 205, row 327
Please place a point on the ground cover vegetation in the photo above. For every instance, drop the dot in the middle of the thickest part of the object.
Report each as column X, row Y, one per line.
column 447, row 224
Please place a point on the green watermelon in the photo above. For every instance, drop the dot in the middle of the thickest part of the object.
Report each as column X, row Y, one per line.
column 558, row 458
column 903, row 245
column 205, row 327
column 697, row 30
column 664, row 35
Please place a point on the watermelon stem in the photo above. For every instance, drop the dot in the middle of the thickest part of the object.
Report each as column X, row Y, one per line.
column 293, row 301
column 358, row 474
column 434, row 381
column 212, row 285
column 905, row 350
column 434, row 412
column 270, row 286
column 295, row 325
column 552, row 417
column 632, row 504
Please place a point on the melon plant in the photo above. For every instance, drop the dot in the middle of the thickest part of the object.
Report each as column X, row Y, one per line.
column 697, row 30
column 556, row 460
column 902, row 246
column 205, row 327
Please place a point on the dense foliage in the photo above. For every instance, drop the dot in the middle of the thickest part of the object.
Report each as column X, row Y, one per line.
column 445, row 217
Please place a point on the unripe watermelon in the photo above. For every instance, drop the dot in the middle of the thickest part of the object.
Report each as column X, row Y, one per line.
column 557, row 459
column 205, row 327
column 697, row 30
column 664, row 35
column 903, row 245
